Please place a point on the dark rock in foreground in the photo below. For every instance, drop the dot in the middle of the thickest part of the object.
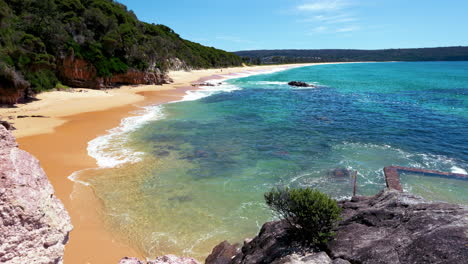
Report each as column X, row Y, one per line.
column 396, row 227
column 391, row 227
column 222, row 253
column 7, row 125
column 300, row 84
column 34, row 225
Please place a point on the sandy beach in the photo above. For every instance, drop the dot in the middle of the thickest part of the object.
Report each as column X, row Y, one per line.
column 58, row 134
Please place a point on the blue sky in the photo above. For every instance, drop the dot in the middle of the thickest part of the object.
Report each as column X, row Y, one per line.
column 311, row 24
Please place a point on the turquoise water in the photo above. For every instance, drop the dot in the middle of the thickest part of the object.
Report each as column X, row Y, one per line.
column 203, row 168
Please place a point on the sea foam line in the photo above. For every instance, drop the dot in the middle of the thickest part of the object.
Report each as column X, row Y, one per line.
column 110, row 150
column 205, row 91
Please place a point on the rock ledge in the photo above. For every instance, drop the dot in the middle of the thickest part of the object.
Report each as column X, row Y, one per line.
column 34, row 225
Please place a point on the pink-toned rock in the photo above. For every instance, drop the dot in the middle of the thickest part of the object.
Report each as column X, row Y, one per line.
column 128, row 260
column 34, row 224
column 168, row 259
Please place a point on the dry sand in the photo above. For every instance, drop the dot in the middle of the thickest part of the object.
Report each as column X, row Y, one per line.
column 59, row 140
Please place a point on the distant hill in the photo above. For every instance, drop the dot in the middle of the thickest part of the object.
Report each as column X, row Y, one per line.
column 89, row 43
column 335, row 55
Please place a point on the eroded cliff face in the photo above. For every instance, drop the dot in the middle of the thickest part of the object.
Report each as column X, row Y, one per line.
column 34, row 224
column 389, row 228
column 77, row 72
column 13, row 88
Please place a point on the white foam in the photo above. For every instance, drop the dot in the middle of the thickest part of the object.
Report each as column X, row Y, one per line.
column 205, row 91
column 74, row 178
column 459, row 170
column 269, row 83
column 110, row 151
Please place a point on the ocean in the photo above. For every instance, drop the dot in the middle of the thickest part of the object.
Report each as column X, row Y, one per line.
column 182, row 177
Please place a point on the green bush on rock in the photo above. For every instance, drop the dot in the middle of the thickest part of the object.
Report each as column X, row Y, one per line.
column 312, row 215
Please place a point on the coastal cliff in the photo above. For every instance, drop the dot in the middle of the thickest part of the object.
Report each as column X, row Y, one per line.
column 34, row 225
column 390, row 227
column 77, row 72
column 90, row 44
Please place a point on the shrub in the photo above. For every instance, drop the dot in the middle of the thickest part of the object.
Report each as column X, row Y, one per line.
column 312, row 215
column 41, row 80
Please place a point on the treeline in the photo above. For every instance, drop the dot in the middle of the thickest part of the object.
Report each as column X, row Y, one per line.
column 35, row 35
column 346, row 55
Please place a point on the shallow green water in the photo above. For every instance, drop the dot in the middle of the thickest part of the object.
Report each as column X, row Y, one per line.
column 201, row 168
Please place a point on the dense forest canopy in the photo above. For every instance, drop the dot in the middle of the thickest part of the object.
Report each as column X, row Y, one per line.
column 36, row 34
column 337, row 55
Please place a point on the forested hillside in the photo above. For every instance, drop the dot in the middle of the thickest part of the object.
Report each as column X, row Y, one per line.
column 338, row 55
column 44, row 42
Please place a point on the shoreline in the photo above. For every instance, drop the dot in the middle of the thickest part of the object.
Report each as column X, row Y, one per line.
column 60, row 143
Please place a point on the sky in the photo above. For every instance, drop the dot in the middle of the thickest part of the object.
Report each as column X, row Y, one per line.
column 235, row 25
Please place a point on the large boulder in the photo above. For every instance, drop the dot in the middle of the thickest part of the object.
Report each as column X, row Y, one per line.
column 34, row 224
column 396, row 227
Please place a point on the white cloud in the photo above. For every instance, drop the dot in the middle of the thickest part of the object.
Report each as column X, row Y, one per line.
column 348, row 29
column 328, row 16
column 323, row 5
column 331, row 19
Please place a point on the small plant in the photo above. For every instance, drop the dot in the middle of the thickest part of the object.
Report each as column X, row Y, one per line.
column 312, row 215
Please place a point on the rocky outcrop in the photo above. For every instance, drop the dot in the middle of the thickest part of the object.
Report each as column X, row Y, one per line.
column 309, row 258
column 300, row 84
column 175, row 64
column 391, row 227
column 396, row 227
column 223, row 253
column 7, row 125
column 77, row 72
column 34, row 225
column 169, row 259
column 13, row 88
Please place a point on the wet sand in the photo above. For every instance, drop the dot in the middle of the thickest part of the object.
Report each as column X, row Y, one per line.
column 63, row 152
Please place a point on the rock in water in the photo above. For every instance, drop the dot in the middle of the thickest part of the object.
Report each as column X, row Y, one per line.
column 395, row 227
column 300, row 84
column 34, row 224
